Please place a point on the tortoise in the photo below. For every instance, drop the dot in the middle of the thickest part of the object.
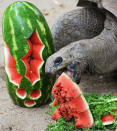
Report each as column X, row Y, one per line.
column 85, row 39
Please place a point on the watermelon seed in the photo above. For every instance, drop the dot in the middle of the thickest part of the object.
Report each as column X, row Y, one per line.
column 58, row 85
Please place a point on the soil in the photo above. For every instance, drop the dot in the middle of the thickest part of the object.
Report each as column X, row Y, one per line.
column 15, row 118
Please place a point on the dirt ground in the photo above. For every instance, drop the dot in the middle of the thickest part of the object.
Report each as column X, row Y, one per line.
column 14, row 118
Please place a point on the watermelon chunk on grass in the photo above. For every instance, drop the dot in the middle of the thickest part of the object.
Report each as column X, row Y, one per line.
column 71, row 101
column 109, row 118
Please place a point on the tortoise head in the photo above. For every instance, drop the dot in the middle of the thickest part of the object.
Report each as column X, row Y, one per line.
column 56, row 64
column 69, row 59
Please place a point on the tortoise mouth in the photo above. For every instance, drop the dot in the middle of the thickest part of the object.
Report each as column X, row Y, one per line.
column 70, row 70
column 72, row 74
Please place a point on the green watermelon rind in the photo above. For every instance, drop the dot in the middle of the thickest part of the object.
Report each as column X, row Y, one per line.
column 85, row 102
column 91, row 117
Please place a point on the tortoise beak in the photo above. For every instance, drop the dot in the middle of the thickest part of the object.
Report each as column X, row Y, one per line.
column 75, row 71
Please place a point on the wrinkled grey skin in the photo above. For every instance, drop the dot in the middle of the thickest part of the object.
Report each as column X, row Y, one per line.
column 82, row 23
column 94, row 46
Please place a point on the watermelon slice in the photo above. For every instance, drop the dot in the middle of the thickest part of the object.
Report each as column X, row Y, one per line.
column 65, row 89
column 71, row 101
column 109, row 118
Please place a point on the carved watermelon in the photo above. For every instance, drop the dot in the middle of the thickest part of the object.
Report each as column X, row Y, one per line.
column 28, row 43
column 71, row 102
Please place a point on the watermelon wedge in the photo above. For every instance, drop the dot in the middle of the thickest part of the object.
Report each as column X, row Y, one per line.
column 109, row 118
column 71, row 101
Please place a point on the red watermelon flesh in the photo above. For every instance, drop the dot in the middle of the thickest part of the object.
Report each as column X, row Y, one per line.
column 57, row 114
column 65, row 89
column 21, row 93
column 109, row 118
column 83, row 119
column 79, row 102
column 33, row 59
column 55, row 102
column 35, row 94
column 66, row 111
column 71, row 101
column 14, row 76
column 29, row 103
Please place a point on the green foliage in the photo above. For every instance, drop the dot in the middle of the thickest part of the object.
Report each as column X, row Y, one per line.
column 52, row 109
column 99, row 106
column 62, row 125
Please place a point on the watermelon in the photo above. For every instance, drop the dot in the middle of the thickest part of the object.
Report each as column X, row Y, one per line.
column 109, row 118
column 71, row 101
column 28, row 44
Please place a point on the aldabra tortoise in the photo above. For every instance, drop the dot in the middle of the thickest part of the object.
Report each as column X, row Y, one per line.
column 88, row 36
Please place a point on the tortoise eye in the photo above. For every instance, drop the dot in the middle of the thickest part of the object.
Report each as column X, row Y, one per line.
column 58, row 61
